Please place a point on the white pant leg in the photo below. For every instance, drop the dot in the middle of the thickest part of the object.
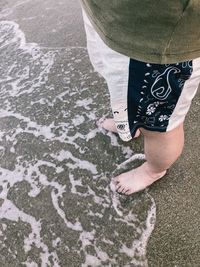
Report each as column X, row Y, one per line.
column 114, row 67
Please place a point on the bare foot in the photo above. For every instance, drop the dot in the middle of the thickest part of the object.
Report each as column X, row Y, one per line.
column 109, row 125
column 136, row 179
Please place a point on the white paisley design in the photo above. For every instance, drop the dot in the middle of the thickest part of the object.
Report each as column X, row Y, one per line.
column 158, row 89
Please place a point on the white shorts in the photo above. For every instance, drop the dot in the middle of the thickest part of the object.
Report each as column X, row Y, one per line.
column 155, row 97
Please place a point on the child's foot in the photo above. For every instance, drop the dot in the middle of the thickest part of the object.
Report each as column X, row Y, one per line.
column 136, row 179
column 109, row 125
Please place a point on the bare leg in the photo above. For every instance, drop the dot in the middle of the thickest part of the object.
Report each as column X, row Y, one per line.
column 161, row 151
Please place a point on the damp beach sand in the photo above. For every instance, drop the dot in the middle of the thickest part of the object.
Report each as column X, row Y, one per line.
column 57, row 207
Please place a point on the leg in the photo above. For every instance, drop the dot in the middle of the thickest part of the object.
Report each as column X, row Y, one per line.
column 161, row 151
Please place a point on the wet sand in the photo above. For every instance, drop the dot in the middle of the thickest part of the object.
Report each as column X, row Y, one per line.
column 57, row 207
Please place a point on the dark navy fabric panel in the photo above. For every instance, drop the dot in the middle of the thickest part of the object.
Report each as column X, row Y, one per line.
column 153, row 92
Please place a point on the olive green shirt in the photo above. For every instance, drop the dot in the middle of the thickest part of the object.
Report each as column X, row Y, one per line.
column 155, row 31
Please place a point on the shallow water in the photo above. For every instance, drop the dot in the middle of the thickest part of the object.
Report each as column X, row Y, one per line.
column 58, row 207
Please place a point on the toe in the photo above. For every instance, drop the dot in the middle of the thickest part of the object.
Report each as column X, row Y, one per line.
column 128, row 192
column 119, row 189
column 125, row 190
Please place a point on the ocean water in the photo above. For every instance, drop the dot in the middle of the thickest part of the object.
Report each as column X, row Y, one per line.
column 58, row 206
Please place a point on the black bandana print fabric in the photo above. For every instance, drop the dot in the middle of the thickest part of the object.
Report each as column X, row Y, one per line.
column 153, row 92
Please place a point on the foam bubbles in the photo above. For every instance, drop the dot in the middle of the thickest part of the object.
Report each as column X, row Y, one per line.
column 56, row 165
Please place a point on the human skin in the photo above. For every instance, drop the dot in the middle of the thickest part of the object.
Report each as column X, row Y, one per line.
column 161, row 149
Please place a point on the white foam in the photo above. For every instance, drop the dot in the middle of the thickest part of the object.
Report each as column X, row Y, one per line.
column 88, row 238
column 85, row 103
column 138, row 247
column 11, row 212
column 78, row 163
column 43, row 130
column 30, row 264
column 79, row 119
column 30, row 79
column 77, row 226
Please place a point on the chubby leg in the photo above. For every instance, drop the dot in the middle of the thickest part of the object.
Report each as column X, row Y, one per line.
column 161, row 151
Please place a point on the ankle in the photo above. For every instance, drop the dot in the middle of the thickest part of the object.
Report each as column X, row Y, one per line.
column 152, row 171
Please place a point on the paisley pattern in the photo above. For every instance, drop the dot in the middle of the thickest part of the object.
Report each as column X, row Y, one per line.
column 153, row 92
